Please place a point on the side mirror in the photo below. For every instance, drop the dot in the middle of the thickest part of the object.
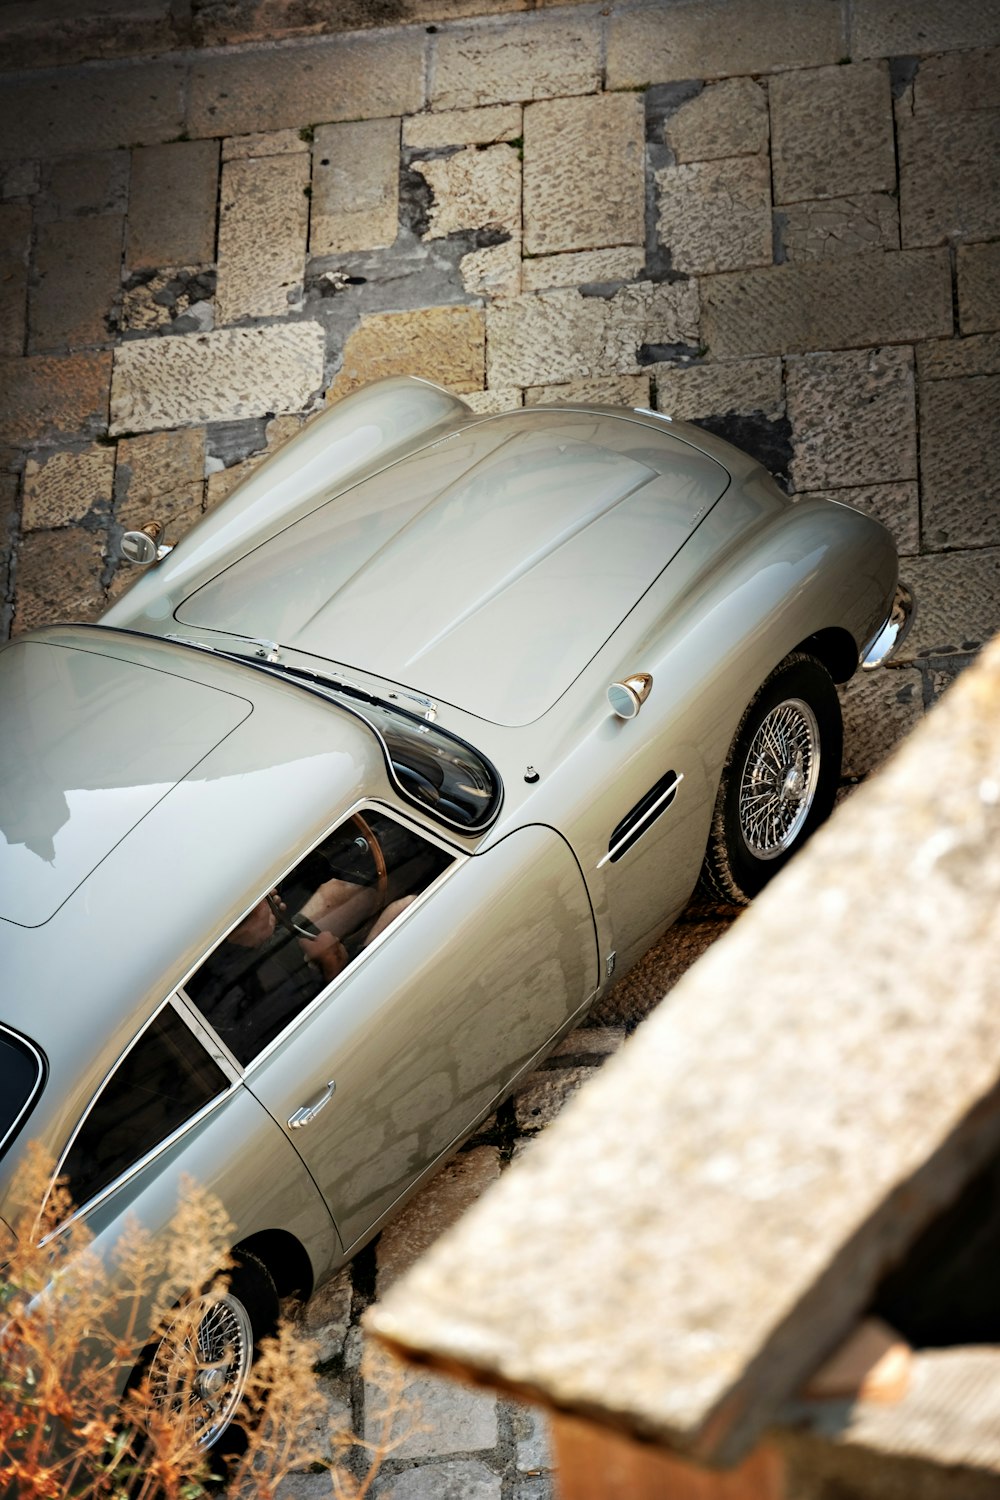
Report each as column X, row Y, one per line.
column 627, row 697
column 140, row 548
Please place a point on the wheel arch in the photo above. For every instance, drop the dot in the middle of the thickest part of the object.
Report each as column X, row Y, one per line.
column 285, row 1257
column 835, row 649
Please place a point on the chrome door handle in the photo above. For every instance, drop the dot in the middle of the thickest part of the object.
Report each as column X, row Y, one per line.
column 308, row 1112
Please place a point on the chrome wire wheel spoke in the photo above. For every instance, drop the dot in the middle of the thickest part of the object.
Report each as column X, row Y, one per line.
column 778, row 782
column 200, row 1372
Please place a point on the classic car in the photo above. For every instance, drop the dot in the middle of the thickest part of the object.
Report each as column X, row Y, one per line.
column 352, row 806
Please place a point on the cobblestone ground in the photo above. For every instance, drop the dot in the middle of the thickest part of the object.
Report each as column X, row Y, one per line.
column 779, row 220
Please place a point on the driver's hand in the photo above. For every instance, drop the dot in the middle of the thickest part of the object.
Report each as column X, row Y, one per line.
column 327, row 951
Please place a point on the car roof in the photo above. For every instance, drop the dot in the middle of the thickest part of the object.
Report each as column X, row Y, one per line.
column 448, row 571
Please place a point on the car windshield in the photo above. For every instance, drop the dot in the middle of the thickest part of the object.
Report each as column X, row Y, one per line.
column 20, row 1078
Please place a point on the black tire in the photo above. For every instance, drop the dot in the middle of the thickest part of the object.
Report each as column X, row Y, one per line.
column 778, row 786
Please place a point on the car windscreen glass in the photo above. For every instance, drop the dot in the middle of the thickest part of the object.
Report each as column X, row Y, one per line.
column 435, row 769
column 301, row 935
column 20, row 1077
column 164, row 1079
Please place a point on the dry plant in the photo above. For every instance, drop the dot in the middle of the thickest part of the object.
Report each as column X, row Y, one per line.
column 73, row 1330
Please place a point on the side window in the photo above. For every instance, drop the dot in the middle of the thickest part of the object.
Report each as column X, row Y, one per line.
column 165, row 1078
column 307, row 930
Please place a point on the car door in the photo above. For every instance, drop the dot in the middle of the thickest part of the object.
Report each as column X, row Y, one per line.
column 425, row 1029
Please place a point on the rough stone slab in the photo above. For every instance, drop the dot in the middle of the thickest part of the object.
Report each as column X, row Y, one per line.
column 263, row 224
column 897, row 506
column 307, row 83
column 58, row 577
column 581, row 267
column 979, row 287
column 154, row 299
column 77, row 281
column 15, row 238
column 944, row 359
column 960, row 462
column 493, row 272
column 859, row 301
column 443, row 344
column 221, row 482
column 94, row 183
column 880, row 709
column 476, row 188
column 355, row 186
column 958, row 81
column 902, row 28
column 584, row 180
column 62, row 31
column 959, row 594
column 694, row 391
column 601, row 390
column 171, row 219
column 838, row 226
column 50, row 396
column 487, row 403
column 161, row 477
column 853, row 418
column 215, row 377
column 591, row 1041
column 534, row 1448
column 541, row 1097
column 831, row 132
column 62, row 487
column 947, row 174
column 718, row 38
column 461, row 1479
column 539, row 57
column 436, row 1207
column 271, row 143
column 327, row 1315
column 454, row 1419
column 75, row 110
column 786, row 1155
column 716, row 215
column 725, row 119
column 464, row 127
column 222, row 22
column 19, row 179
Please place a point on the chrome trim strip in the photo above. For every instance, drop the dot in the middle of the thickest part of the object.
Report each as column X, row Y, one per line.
column 39, row 1083
column 630, row 836
column 894, row 631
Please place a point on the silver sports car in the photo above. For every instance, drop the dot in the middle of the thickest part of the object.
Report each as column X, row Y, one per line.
column 352, row 806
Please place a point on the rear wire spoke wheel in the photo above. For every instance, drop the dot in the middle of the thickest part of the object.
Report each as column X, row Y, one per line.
column 779, row 781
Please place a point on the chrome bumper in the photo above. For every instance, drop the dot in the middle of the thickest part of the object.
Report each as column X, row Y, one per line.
column 893, row 633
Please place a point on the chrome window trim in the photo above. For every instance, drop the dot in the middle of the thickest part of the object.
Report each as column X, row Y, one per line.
column 39, row 1084
column 137, row 1166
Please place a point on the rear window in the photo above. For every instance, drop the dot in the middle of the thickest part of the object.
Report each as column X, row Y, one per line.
column 22, row 1073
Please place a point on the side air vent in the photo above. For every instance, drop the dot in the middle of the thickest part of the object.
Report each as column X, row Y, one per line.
column 642, row 816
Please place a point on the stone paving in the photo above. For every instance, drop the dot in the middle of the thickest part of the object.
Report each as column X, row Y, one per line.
column 779, row 220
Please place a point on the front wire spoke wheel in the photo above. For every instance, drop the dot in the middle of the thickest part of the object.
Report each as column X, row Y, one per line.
column 200, row 1372
column 779, row 779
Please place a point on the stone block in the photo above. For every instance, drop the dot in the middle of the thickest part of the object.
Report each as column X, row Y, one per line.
column 15, row 239
column 222, row 482
column 215, row 377
column 460, row 1479
column 271, row 143
column 487, row 403
column 355, row 186
column 959, row 601
column 438, row 1205
column 61, row 488
column 584, row 179
column 831, row 132
column 836, row 304
column 476, row 188
column 442, row 1418
column 692, row 391
column 948, row 187
column 464, row 127
column 47, row 397
column 719, row 38
column 307, row 83
column 591, row 1041
column 327, row 1315
column 95, row 183
column 898, row 28
column 531, row 1432
column 716, row 215
column 540, row 1098
column 171, row 219
column 539, row 57
column 960, row 462
column 443, row 344
column 647, row 316
column 75, row 110
column 62, row 32
column 600, row 390
column 19, row 179
column 897, row 506
column 853, row 418
column 725, row 119
column 161, row 477
column 979, row 287
column 155, row 299
column 879, row 709
column 957, row 82
column 837, row 226
column 263, row 224
column 944, row 359
column 493, row 272
column 582, row 267
column 58, row 577
column 77, row 283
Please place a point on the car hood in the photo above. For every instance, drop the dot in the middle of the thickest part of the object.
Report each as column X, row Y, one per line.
column 486, row 570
